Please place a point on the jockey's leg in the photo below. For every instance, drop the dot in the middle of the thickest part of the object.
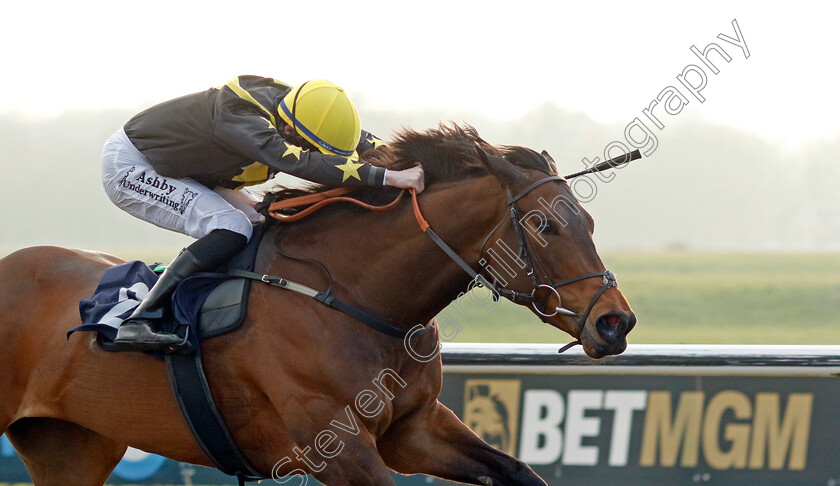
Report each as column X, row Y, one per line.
column 181, row 205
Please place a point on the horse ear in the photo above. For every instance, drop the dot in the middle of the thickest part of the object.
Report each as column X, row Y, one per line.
column 499, row 167
column 548, row 158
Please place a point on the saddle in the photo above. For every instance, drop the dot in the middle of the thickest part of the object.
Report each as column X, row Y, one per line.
column 205, row 305
column 223, row 310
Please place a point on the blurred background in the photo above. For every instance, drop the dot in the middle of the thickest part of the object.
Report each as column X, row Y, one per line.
column 728, row 231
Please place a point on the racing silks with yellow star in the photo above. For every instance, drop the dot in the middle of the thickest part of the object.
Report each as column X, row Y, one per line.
column 350, row 169
column 228, row 136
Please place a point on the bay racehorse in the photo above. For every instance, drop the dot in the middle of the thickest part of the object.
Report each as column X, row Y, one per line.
column 290, row 383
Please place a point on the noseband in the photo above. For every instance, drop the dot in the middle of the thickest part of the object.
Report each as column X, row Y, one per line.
column 526, row 255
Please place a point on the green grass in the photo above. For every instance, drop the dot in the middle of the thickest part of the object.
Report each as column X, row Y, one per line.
column 694, row 299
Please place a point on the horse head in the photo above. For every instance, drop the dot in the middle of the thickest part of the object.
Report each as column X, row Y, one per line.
column 558, row 272
column 539, row 250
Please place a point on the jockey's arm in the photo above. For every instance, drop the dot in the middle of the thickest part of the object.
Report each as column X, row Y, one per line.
column 244, row 132
column 254, row 137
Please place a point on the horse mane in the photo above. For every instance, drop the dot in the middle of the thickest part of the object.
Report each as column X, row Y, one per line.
column 447, row 153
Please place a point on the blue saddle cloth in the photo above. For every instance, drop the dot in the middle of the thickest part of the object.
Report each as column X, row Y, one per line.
column 123, row 286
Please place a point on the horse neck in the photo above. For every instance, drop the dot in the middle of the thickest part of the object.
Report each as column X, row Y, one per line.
column 384, row 263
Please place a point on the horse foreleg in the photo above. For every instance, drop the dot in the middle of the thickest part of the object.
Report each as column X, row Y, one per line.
column 58, row 453
column 434, row 441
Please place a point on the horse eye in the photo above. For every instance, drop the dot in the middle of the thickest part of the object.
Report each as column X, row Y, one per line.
column 548, row 228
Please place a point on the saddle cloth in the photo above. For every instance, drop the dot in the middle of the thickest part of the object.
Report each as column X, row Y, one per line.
column 209, row 304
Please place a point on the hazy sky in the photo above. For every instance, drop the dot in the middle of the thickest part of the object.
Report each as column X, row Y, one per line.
column 608, row 59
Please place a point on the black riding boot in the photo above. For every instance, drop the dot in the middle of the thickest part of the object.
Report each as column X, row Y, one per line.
column 141, row 331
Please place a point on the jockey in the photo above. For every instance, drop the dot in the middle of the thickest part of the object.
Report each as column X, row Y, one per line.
column 182, row 164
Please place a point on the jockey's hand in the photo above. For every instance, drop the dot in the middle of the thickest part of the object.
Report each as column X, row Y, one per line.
column 406, row 179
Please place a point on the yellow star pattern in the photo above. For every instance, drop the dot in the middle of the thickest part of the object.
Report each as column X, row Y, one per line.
column 293, row 150
column 377, row 143
column 350, row 169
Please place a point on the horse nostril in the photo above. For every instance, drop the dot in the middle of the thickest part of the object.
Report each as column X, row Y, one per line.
column 614, row 326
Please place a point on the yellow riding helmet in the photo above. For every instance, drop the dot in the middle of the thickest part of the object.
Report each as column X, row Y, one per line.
column 323, row 114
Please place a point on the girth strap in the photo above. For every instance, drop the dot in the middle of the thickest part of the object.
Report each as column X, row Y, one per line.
column 186, row 375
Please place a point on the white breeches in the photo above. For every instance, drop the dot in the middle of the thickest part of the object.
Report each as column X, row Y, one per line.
column 181, row 205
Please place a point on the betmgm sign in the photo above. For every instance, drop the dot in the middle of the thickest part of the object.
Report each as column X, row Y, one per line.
column 766, row 430
column 642, row 425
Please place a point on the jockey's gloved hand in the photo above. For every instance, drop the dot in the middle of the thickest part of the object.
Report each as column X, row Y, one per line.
column 412, row 178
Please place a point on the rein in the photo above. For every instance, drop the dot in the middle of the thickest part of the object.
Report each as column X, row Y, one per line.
column 319, row 200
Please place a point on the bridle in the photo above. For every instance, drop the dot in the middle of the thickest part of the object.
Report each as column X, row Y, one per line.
column 527, row 256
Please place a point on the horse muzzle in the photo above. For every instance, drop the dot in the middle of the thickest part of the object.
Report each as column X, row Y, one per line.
column 608, row 335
